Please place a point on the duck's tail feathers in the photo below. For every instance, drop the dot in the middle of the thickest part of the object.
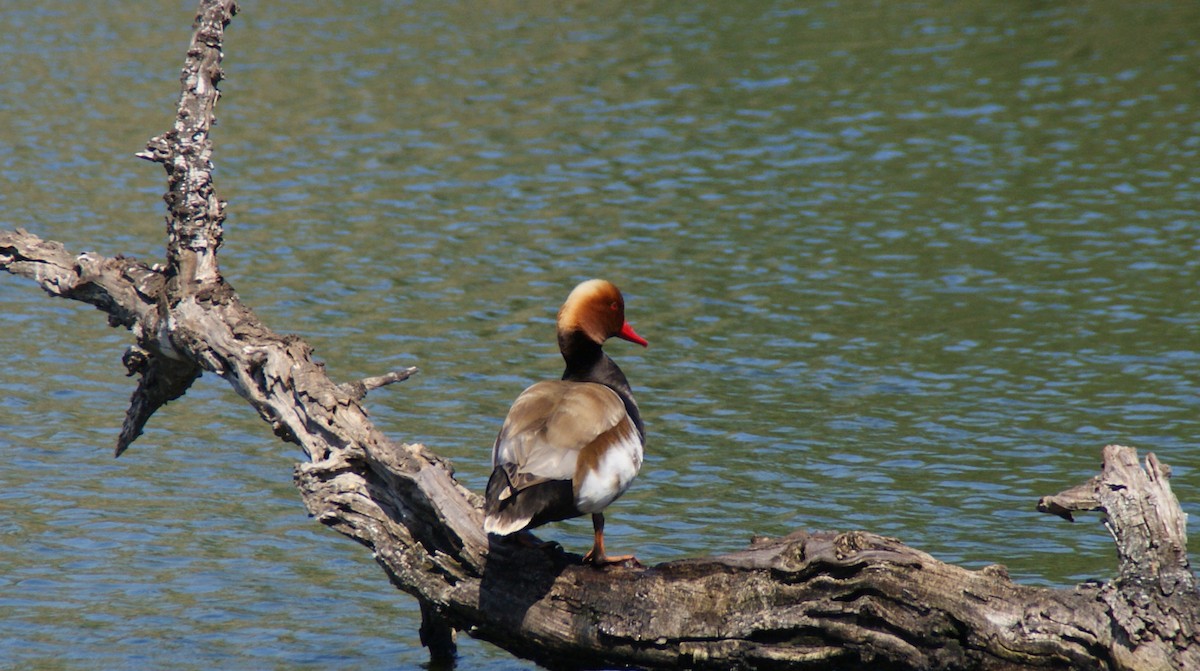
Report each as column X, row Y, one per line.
column 500, row 516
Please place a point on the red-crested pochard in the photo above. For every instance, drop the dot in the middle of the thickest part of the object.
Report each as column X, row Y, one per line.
column 570, row 447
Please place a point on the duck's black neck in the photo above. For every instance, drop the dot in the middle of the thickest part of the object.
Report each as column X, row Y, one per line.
column 587, row 362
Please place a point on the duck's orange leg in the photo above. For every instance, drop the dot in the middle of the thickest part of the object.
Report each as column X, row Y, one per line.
column 596, row 556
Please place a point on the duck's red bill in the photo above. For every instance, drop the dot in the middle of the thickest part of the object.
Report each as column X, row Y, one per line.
column 629, row 334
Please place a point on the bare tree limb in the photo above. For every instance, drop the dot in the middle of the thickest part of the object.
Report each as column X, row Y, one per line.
column 195, row 213
column 121, row 287
column 810, row 600
column 359, row 389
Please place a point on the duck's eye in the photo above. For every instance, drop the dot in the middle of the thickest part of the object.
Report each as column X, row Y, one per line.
column 614, row 307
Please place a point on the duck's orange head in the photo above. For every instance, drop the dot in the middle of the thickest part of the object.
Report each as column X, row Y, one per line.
column 597, row 309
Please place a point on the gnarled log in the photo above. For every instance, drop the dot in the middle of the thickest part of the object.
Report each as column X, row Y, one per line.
column 810, row 600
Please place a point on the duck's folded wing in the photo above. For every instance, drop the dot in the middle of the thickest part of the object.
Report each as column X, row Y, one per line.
column 606, row 466
column 549, row 425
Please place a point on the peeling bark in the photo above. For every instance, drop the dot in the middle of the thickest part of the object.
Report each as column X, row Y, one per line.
column 810, row 600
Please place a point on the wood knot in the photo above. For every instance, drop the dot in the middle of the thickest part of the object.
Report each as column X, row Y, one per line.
column 850, row 543
column 995, row 571
column 135, row 359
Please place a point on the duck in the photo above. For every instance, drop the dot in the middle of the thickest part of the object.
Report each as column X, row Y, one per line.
column 570, row 447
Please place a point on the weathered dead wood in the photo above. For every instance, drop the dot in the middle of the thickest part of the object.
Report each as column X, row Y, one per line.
column 811, row 600
column 1153, row 602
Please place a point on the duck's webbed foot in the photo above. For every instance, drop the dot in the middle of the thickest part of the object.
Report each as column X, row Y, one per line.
column 596, row 556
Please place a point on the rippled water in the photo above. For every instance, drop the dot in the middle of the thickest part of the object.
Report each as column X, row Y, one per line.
column 904, row 268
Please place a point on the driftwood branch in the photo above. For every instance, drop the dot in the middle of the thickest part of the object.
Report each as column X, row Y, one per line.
column 359, row 388
column 810, row 600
